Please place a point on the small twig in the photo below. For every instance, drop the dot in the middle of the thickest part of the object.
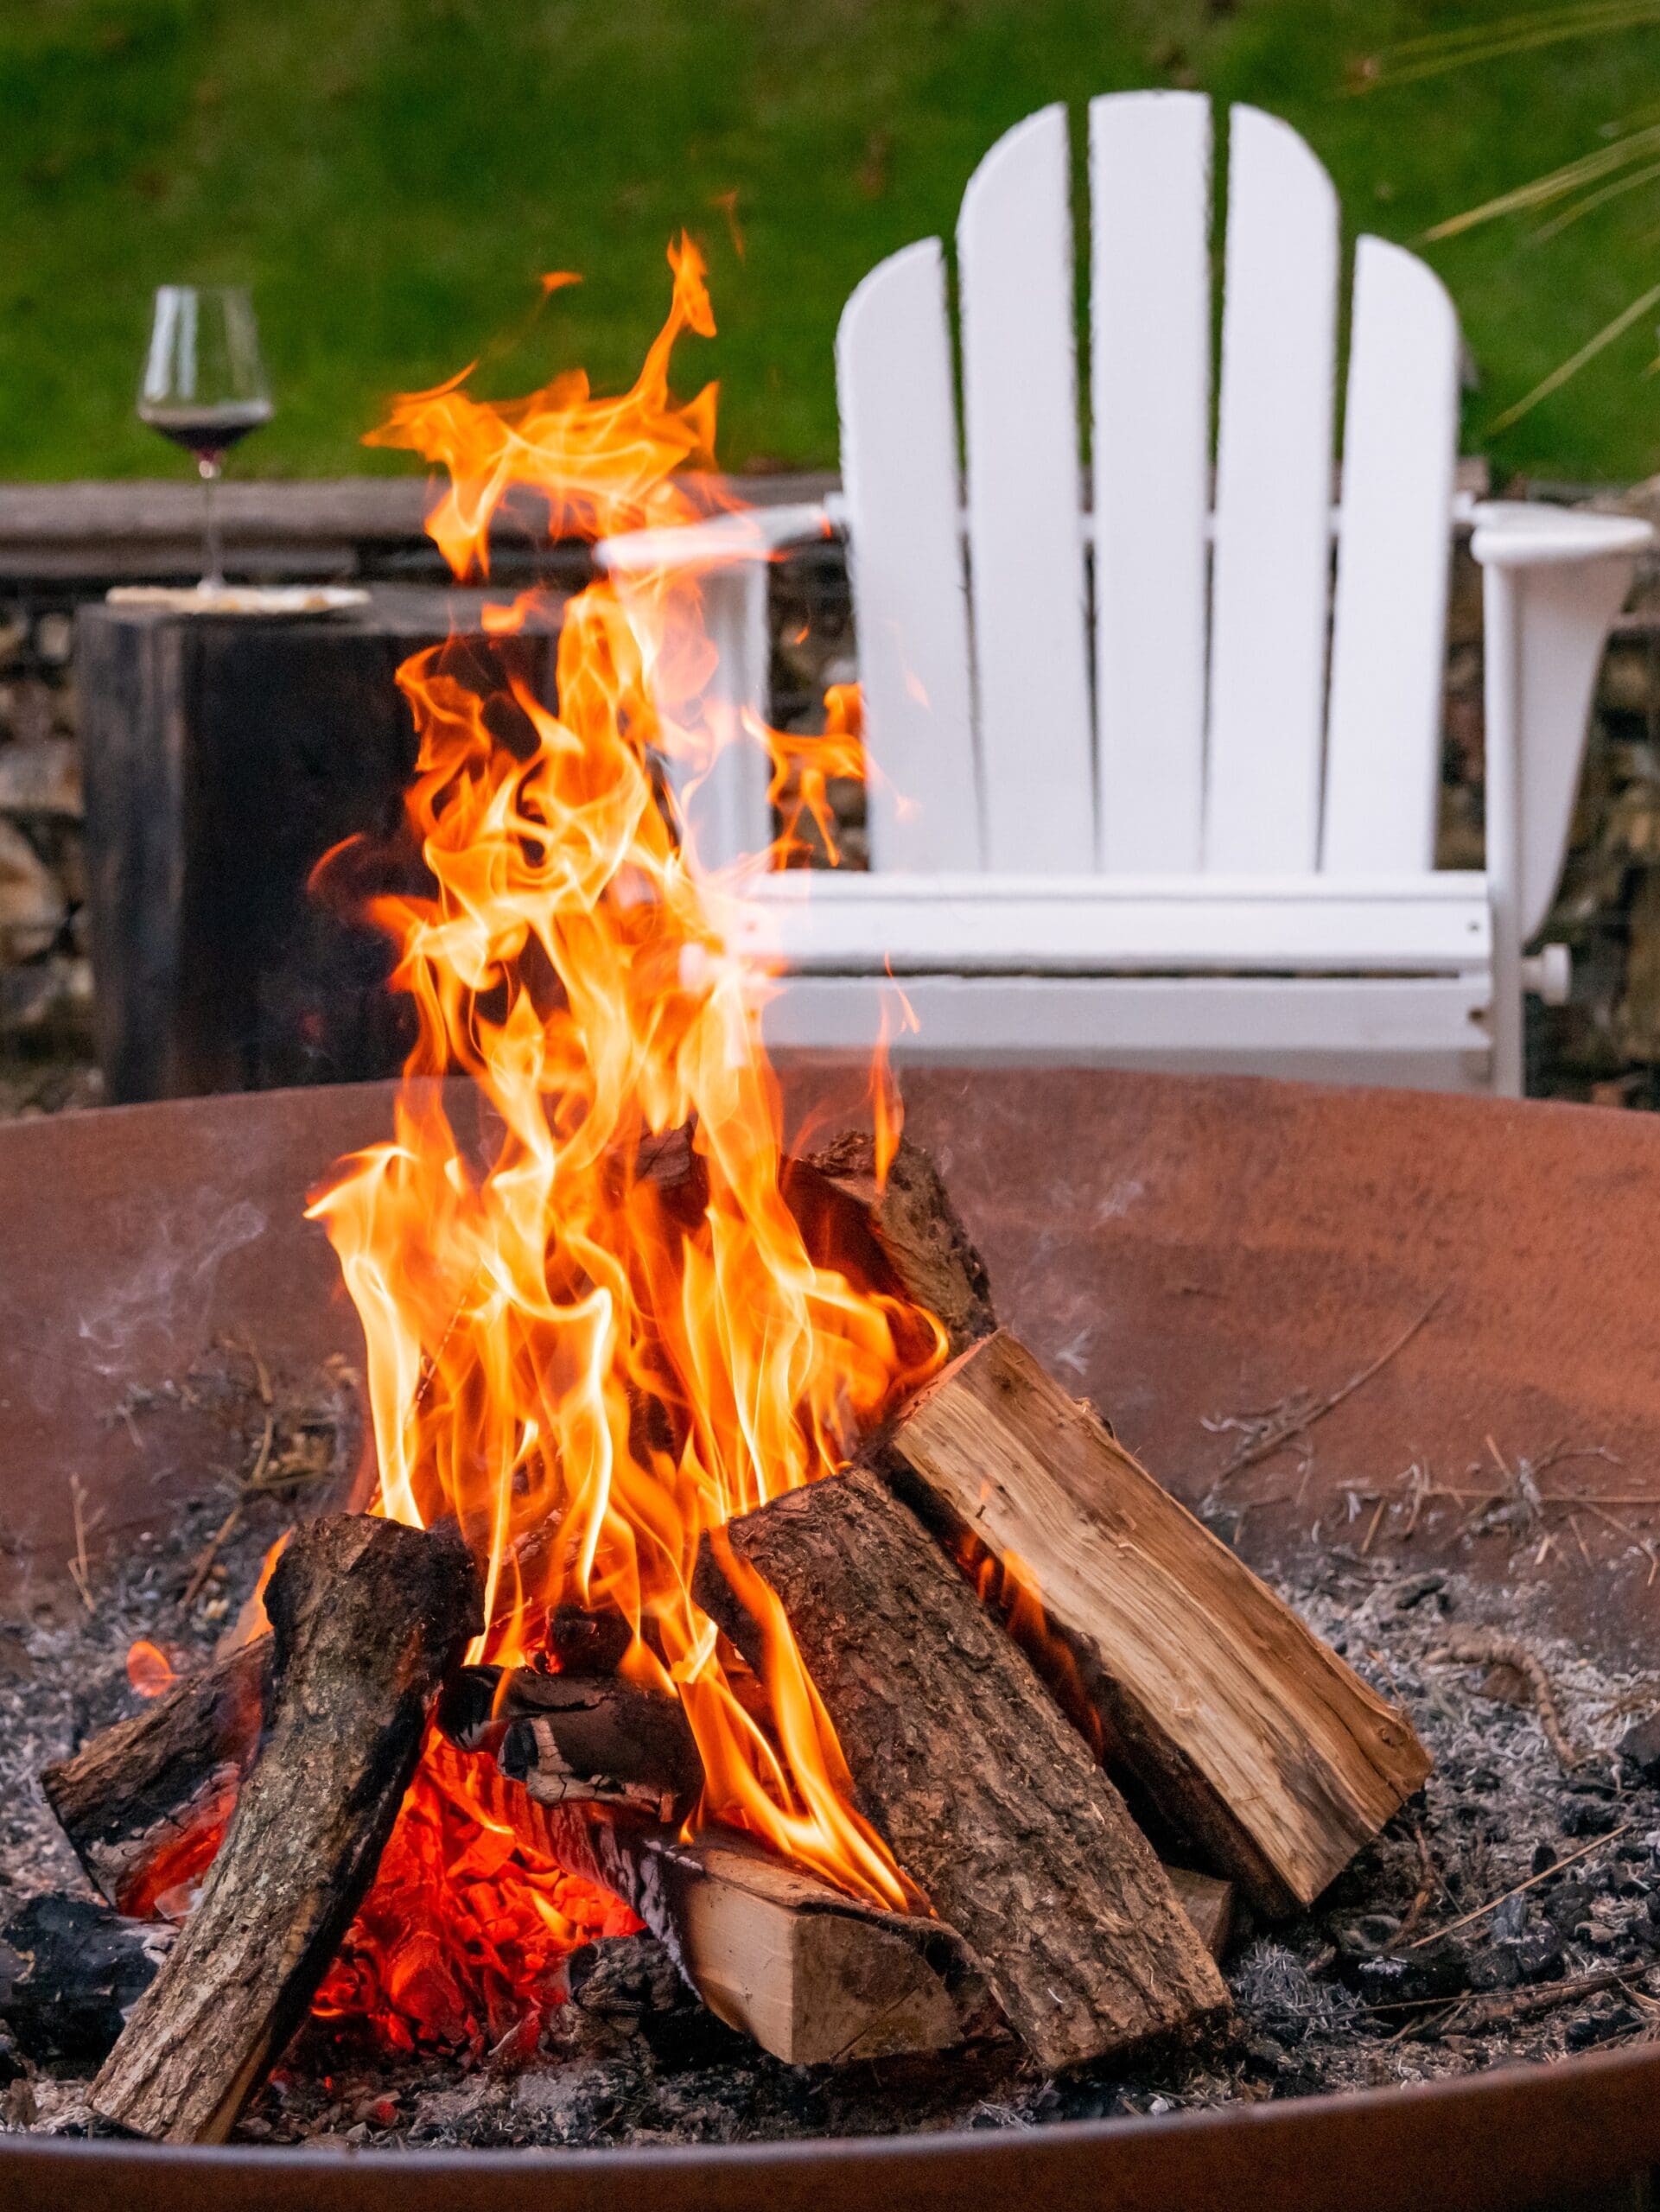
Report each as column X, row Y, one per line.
column 1574, row 1523
column 80, row 1572
column 1480, row 1646
column 1527, row 2004
column 1262, row 1435
column 1544, row 1875
column 255, row 1480
column 1367, row 1543
column 1424, row 2019
column 1419, row 1904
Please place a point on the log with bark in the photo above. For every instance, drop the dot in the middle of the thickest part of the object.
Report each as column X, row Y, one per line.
column 368, row 1617
column 140, row 1801
column 146, row 1801
column 901, row 1234
column 816, row 1977
column 989, row 1800
column 1251, row 1736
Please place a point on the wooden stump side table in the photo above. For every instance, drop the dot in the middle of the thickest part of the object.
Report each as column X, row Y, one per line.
column 224, row 755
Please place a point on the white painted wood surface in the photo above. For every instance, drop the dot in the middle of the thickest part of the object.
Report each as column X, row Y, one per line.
column 725, row 809
column 1389, row 634
column 1150, row 411
column 1221, row 753
column 901, row 480
column 1015, row 277
column 1428, row 1033
column 1272, row 496
column 1122, row 925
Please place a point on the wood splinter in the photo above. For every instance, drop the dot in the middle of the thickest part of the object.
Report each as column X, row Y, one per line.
column 368, row 1617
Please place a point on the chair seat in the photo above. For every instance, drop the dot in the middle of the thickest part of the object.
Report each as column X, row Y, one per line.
column 829, row 924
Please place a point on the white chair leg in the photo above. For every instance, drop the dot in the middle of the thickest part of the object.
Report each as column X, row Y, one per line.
column 728, row 815
column 1501, row 650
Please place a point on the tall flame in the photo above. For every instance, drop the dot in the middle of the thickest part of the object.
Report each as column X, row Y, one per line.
column 596, row 1343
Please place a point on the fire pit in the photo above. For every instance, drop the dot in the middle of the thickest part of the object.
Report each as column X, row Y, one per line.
column 1178, row 1251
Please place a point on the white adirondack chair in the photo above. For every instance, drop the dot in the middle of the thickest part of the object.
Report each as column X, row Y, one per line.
column 1153, row 777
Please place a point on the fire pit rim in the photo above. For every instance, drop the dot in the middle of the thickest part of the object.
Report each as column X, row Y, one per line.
column 1505, row 2138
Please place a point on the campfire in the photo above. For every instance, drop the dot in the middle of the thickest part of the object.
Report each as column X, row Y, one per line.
column 725, row 1571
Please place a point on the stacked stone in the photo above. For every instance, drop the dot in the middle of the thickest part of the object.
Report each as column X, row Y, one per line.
column 46, row 984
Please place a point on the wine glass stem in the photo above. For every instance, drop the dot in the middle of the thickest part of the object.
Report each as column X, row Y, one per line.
column 213, row 575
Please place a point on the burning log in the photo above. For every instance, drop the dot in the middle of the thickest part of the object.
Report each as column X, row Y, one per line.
column 816, row 1977
column 574, row 1739
column 988, row 1799
column 1248, row 1733
column 141, row 1802
column 905, row 1230
column 368, row 1617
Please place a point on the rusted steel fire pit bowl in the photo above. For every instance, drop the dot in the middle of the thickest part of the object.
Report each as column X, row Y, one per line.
column 1174, row 1249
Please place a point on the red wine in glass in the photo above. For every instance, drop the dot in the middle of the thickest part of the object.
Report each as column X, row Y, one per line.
column 204, row 386
column 207, row 432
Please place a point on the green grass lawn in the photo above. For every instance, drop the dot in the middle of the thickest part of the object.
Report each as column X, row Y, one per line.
column 391, row 176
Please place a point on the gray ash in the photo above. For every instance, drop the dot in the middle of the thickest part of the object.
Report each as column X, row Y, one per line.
column 1348, row 1995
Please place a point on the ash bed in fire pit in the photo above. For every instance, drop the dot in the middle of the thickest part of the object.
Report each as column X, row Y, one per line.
column 1183, row 1252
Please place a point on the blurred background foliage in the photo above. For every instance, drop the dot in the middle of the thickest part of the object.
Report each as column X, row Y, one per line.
column 392, row 176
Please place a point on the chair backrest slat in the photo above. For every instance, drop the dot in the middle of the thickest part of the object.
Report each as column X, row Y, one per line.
column 1389, row 622
column 1271, row 557
column 1213, row 740
column 1150, row 400
column 901, row 480
column 1017, row 278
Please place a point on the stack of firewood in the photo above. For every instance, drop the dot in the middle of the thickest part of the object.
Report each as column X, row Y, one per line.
column 1014, row 1756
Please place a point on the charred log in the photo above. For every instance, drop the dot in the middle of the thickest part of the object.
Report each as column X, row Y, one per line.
column 989, row 1800
column 579, row 1739
column 368, row 1617
column 140, row 1802
column 71, row 1972
column 1251, row 1737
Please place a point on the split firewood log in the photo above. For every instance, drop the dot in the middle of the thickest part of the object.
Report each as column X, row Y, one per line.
column 1251, row 1736
column 989, row 1800
column 816, row 1977
column 368, row 1617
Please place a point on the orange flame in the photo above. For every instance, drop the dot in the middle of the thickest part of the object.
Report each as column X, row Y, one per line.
column 596, row 1343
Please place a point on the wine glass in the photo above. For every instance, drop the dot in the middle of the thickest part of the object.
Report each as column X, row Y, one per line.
column 204, row 386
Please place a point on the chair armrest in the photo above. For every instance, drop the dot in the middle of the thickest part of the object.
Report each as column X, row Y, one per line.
column 1517, row 534
column 746, row 534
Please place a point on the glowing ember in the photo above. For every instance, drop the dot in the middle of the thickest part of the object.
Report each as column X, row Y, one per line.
column 149, row 1668
column 588, row 1359
column 486, row 1969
